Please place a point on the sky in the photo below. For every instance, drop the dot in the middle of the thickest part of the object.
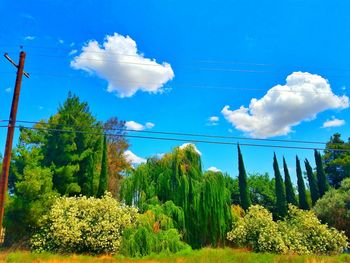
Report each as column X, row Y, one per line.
column 247, row 69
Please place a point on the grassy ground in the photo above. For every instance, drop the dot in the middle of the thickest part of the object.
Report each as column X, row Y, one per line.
column 203, row 255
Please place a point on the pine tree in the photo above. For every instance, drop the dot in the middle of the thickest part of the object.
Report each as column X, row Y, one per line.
column 323, row 185
column 303, row 204
column 103, row 184
column 281, row 202
column 315, row 194
column 242, row 181
column 290, row 195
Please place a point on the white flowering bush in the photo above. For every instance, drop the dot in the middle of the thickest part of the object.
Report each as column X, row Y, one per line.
column 303, row 233
column 300, row 233
column 81, row 224
column 257, row 231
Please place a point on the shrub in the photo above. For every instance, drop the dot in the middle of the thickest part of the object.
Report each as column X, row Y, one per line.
column 257, row 231
column 153, row 234
column 334, row 207
column 303, row 233
column 300, row 233
column 81, row 224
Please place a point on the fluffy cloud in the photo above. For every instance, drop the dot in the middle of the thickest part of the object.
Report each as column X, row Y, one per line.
column 149, row 125
column 302, row 97
column 213, row 169
column 213, row 121
column 133, row 125
column 29, row 38
column 8, row 90
column 72, row 52
column 333, row 123
column 214, row 118
column 118, row 61
column 185, row 145
column 133, row 158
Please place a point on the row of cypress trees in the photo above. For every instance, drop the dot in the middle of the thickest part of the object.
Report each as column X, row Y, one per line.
column 285, row 193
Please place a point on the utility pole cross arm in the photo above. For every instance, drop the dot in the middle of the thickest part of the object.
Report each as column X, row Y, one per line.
column 14, row 63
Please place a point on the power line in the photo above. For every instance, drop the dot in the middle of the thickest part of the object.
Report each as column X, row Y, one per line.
column 196, row 86
column 182, row 134
column 204, row 61
column 183, row 139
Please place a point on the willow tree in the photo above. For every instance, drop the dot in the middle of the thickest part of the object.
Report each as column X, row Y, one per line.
column 242, row 182
column 178, row 177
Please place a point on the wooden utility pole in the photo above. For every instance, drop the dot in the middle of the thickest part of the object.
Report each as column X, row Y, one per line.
column 10, row 131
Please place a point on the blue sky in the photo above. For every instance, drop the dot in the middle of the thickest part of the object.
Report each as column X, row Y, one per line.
column 216, row 54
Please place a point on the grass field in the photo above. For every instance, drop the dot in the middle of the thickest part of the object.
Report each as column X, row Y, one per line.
column 203, row 255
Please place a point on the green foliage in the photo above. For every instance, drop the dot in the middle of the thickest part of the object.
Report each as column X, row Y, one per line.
column 315, row 194
column 262, row 190
column 281, row 202
column 31, row 187
column 178, row 177
column 334, row 207
column 323, row 185
column 69, row 154
column 154, row 233
column 84, row 225
column 290, row 195
column 300, row 233
column 242, row 181
column 103, row 184
column 337, row 163
column 303, row 203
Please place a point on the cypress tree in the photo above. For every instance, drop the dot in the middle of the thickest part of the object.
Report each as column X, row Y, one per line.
column 90, row 181
column 242, row 181
column 103, row 184
column 315, row 195
column 281, row 202
column 303, row 204
column 290, row 195
column 323, row 185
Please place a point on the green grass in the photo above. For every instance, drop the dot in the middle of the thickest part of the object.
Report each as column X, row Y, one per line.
column 195, row 256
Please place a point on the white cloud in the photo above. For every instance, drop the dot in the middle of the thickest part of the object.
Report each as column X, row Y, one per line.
column 61, row 41
column 333, row 123
column 72, row 44
column 214, row 118
column 8, row 90
column 213, row 169
column 185, row 145
column 40, row 107
column 213, row 121
column 149, row 125
column 118, row 61
column 29, row 38
column 302, row 97
column 72, row 52
column 133, row 158
column 133, row 125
